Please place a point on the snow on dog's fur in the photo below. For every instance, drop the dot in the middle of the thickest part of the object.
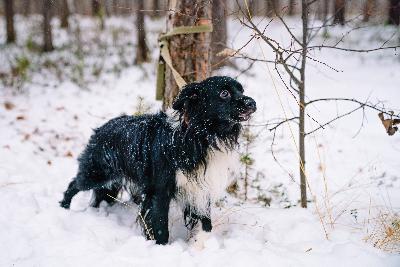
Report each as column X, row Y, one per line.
column 161, row 157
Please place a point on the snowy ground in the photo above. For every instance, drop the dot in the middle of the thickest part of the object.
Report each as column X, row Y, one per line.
column 45, row 125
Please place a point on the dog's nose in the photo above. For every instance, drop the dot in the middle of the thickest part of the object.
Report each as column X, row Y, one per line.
column 250, row 103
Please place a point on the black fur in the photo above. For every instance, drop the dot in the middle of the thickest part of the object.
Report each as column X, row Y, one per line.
column 142, row 154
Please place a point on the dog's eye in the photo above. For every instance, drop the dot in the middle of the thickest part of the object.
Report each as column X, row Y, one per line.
column 225, row 94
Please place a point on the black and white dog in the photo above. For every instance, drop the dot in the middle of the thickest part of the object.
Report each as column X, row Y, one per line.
column 160, row 157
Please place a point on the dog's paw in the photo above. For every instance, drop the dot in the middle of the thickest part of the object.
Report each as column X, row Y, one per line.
column 200, row 239
column 64, row 204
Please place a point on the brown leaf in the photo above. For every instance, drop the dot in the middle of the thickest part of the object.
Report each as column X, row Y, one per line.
column 69, row 154
column 8, row 105
column 20, row 118
column 26, row 137
column 49, row 162
column 389, row 124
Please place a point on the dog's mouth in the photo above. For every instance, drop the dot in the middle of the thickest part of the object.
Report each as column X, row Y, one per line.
column 245, row 116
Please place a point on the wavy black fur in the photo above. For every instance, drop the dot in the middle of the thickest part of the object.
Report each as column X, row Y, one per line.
column 143, row 154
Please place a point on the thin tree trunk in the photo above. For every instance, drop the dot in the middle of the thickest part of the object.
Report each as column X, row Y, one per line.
column 219, row 35
column 394, row 12
column 190, row 52
column 64, row 14
column 47, row 35
column 368, row 9
column 302, row 88
column 291, row 7
column 142, row 51
column 9, row 13
column 339, row 16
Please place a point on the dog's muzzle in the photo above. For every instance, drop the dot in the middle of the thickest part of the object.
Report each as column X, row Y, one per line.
column 249, row 108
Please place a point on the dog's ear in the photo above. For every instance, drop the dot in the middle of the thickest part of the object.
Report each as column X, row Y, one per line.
column 188, row 92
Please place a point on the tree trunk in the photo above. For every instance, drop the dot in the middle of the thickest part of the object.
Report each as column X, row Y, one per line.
column 302, row 88
column 252, row 5
column 47, row 36
column 325, row 11
column 26, row 4
column 156, row 8
column 368, row 9
column 190, row 52
column 64, row 14
column 142, row 51
column 9, row 13
column 272, row 8
column 394, row 12
column 219, row 35
column 97, row 11
column 291, row 7
column 339, row 9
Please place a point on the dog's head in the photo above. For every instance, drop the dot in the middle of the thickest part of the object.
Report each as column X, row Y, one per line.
column 218, row 101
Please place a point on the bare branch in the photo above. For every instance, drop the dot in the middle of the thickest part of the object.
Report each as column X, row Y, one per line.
column 366, row 104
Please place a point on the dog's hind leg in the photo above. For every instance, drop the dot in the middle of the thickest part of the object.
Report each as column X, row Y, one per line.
column 71, row 191
column 107, row 194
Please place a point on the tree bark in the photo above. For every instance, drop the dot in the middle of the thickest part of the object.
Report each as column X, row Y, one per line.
column 190, row 53
column 64, row 14
column 219, row 35
column 394, row 12
column 142, row 51
column 368, row 9
column 47, row 35
column 339, row 9
column 9, row 13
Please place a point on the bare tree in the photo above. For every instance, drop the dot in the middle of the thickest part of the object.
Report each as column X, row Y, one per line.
column 142, row 51
column 339, row 12
column 292, row 59
column 190, row 52
column 394, row 12
column 64, row 14
column 9, row 13
column 47, row 35
column 219, row 35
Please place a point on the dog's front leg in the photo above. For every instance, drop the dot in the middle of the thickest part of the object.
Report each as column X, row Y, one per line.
column 159, row 210
column 205, row 232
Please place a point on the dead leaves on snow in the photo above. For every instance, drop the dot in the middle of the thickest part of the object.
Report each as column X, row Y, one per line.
column 389, row 124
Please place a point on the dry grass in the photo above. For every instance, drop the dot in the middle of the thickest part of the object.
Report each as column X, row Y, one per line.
column 385, row 232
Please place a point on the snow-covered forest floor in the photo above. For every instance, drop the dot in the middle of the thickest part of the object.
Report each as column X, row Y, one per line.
column 50, row 104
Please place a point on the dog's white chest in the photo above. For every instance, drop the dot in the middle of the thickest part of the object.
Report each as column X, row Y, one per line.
column 210, row 184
